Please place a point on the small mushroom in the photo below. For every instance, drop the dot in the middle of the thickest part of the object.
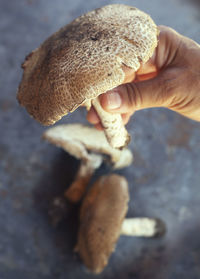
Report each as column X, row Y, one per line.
column 90, row 146
column 102, row 221
column 93, row 54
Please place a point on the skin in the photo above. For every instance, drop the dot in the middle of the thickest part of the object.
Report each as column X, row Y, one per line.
column 170, row 79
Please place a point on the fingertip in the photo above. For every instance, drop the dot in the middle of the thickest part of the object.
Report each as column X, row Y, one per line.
column 92, row 116
column 99, row 127
column 111, row 100
column 125, row 118
column 103, row 101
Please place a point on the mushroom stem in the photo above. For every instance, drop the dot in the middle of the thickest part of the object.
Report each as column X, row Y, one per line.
column 114, row 129
column 143, row 227
column 77, row 189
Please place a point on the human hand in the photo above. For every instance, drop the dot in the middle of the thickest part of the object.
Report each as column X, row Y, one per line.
column 170, row 79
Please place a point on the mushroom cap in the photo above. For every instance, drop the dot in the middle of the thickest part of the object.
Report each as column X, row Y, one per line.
column 102, row 213
column 82, row 141
column 84, row 59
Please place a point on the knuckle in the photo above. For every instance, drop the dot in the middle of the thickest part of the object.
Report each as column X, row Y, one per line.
column 134, row 95
column 167, row 86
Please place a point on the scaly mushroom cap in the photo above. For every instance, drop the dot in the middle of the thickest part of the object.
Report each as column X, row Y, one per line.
column 84, row 59
column 102, row 213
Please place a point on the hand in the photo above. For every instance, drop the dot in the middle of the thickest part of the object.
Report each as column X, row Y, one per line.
column 170, row 79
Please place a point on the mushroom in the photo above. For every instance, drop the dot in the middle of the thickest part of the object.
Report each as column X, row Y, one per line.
column 102, row 221
column 90, row 146
column 93, row 54
column 101, row 216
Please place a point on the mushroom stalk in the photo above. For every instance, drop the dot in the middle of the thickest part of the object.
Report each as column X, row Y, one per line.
column 77, row 189
column 114, row 129
column 143, row 227
column 88, row 145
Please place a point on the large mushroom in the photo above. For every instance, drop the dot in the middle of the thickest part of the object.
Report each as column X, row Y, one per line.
column 89, row 146
column 102, row 221
column 93, row 54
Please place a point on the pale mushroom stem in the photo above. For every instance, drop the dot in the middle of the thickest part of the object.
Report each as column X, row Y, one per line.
column 143, row 227
column 114, row 129
column 77, row 189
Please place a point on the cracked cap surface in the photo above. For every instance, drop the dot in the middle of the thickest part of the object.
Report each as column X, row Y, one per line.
column 84, row 59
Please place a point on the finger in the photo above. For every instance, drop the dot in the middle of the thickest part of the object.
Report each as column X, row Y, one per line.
column 146, row 71
column 125, row 118
column 92, row 116
column 99, row 127
column 118, row 99
column 148, row 67
column 129, row 74
column 142, row 77
column 126, row 98
column 153, row 86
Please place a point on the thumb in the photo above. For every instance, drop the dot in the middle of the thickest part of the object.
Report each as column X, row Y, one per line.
column 127, row 98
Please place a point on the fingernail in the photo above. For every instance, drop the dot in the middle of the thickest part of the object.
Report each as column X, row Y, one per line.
column 114, row 100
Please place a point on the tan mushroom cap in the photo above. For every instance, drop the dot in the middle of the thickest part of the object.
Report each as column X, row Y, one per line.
column 84, row 59
column 102, row 213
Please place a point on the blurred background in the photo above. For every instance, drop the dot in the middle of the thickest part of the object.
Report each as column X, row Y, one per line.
column 164, row 179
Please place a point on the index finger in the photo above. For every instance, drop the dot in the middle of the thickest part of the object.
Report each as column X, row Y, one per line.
column 146, row 71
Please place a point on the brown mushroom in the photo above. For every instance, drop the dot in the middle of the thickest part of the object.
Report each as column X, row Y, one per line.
column 90, row 146
column 93, row 54
column 102, row 213
column 102, row 221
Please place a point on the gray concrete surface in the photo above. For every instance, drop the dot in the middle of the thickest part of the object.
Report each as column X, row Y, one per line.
column 164, row 179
